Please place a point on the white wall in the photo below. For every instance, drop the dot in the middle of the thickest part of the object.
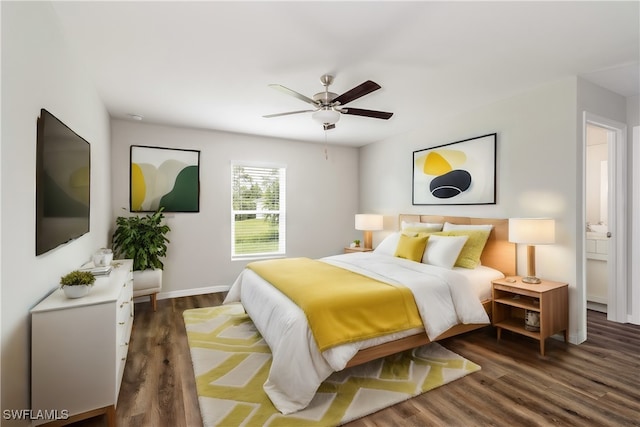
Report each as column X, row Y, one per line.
column 536, row 174
column 321, row 199
column 38, row 72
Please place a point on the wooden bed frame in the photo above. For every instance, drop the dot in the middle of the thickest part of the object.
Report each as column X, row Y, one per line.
column 498, row 253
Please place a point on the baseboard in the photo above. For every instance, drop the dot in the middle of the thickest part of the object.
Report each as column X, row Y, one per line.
column 185, row 293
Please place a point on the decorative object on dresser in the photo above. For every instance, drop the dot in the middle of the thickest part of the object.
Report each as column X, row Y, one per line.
column 77, row 283
column 102, row 257
column 535, row 310
column 79, row 348
column 368, row 223
column 144, row 240
column 532, row 231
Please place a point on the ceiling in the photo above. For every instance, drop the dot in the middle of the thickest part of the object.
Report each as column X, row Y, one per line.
column 208, row 64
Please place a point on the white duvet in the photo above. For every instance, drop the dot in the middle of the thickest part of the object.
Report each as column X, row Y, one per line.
column 444, row 299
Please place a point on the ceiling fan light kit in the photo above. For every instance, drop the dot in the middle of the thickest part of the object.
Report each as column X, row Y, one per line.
column 327, row 116
column 328, row 105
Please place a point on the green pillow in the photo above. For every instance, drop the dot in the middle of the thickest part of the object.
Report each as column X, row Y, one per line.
column 470, row 255
column 410, row 247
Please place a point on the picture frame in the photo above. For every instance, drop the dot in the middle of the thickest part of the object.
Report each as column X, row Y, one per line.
column 458, row 173
column 164, row 177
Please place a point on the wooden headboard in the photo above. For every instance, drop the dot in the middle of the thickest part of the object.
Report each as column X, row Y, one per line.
column 498, row 253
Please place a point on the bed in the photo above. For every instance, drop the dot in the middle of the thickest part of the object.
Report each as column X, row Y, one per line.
column 299, row 367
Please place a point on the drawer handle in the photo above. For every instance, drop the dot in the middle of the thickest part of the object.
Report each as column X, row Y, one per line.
column 121, row 323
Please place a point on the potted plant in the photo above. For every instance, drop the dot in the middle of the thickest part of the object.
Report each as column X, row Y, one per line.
column 144, row 240
column 77, row 283
column 357, row 243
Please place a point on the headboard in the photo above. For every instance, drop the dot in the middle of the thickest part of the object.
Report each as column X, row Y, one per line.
column 498, row 253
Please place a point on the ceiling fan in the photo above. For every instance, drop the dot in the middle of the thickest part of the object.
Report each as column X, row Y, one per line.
column 328, row 106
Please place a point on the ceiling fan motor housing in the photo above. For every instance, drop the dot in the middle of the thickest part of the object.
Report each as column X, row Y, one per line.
column 325, row 98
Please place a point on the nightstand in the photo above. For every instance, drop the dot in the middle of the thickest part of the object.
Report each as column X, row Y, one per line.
column 348, row 250
column 512, row 300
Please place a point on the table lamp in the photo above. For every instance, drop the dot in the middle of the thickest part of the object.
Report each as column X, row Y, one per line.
column 368, row 223
column 532, row 231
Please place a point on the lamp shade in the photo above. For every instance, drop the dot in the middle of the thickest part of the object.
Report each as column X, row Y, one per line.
column 532, row 231
column 326, row 116
column 369, row 222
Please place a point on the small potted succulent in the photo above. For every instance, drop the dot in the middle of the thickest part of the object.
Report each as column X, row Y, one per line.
column 77, row 283
column 357, row 243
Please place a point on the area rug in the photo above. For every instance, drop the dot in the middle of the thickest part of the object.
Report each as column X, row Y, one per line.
column 231, row 362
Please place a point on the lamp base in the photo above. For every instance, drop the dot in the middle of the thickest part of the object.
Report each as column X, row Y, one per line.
column 531, row 280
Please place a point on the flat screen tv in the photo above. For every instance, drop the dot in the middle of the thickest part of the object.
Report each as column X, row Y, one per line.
column 63, row 172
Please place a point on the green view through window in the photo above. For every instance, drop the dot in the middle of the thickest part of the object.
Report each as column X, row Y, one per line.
column 257, row 211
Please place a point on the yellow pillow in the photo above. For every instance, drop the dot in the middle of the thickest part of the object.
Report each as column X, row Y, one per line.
column 470, row 254
column 410, row 247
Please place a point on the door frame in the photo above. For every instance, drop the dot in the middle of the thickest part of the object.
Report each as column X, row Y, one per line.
column 617, row 213
column 635, row 229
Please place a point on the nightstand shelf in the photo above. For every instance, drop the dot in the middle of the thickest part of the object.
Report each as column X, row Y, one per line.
column 512, row 299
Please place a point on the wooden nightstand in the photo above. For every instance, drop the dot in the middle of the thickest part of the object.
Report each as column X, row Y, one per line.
column 512, row 299
column 348, row 249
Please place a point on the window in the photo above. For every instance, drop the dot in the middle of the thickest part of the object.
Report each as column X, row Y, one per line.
column 257, row 211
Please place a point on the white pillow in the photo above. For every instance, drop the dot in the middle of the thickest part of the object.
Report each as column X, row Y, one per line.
column 448, row 227
column 420, row 227
column 443, row 251
column 388, row 245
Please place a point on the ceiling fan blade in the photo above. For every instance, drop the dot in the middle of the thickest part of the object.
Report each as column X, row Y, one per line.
column 294, row 94
column 268, row 116
column 357, row 92
column 367, row 113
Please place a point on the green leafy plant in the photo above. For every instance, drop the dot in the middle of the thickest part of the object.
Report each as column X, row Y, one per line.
column 141, row 238
column 77, row 278
column 357, row 242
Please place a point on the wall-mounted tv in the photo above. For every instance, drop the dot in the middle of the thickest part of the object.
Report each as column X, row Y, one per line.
column 63, row 181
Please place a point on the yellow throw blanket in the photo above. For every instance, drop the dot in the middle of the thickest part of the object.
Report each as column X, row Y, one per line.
column 341, row 306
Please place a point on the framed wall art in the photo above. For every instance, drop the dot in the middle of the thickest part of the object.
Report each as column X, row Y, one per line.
column 458, row 173
column 164, row 177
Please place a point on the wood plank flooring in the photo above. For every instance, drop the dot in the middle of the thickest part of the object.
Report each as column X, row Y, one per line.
column 593, row 384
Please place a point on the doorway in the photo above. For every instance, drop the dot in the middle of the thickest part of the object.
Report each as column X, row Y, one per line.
column 597, row 215
column 604, row 216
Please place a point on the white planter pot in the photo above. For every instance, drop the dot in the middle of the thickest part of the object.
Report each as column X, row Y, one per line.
column 76, row 291
column 147, row 282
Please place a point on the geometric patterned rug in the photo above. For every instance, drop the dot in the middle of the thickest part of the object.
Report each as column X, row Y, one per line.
column 231, row 362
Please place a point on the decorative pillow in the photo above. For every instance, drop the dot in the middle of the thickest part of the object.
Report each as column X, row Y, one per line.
column 449, row 227
column 470, row 255
column 420, row 227
column 443, row 251
column 411, row 247
column 388, row 245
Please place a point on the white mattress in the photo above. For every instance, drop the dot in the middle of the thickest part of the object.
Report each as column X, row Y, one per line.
column 298, row 367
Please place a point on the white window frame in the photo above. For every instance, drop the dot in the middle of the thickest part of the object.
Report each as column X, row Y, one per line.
column 281, row 251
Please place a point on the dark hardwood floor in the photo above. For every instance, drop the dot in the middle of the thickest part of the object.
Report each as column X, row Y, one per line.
column 593, row 384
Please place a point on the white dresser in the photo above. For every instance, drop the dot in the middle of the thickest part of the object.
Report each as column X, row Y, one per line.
column 79, row 348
